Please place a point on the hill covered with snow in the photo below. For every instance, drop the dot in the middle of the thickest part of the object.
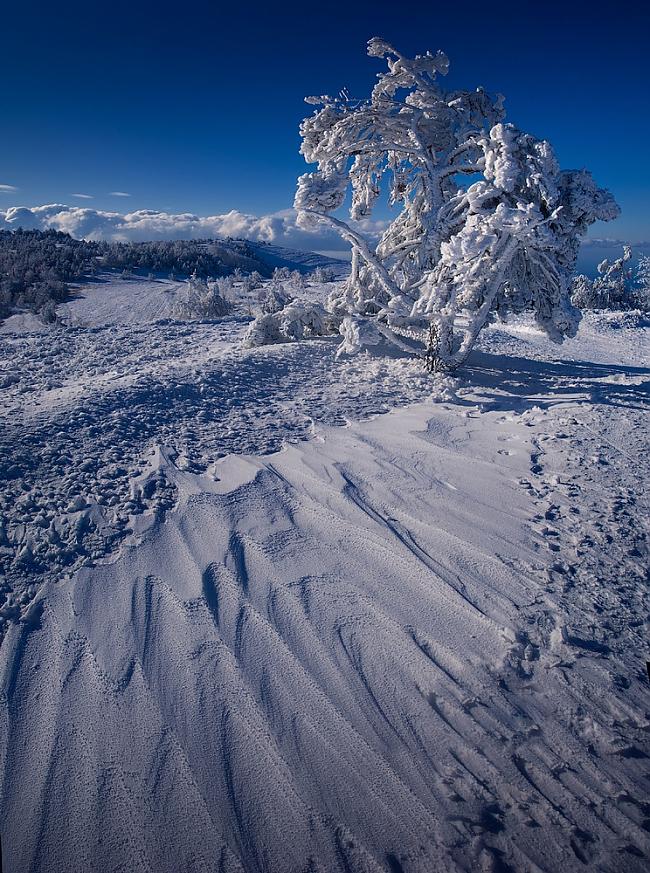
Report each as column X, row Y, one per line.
column 37, row 267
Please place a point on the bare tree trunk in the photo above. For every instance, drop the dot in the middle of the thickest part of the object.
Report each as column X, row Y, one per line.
column 432, row 354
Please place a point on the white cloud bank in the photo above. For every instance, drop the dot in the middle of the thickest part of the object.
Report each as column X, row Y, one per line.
column 280, row 228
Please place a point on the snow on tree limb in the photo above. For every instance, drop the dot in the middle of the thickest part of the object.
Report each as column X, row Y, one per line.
column 458, row 254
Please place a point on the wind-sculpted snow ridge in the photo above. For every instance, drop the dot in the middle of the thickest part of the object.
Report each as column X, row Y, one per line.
column 412, row 644
column 86, row 406
column 406, row 645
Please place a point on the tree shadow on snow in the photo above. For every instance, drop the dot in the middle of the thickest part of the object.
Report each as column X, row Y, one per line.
column 515, row 384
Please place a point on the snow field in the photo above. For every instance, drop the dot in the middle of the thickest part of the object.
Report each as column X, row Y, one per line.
column 412, row 643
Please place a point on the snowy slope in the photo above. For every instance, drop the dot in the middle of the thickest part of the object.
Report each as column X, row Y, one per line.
column 111, row 300
column 295, row 259
column 413, row 643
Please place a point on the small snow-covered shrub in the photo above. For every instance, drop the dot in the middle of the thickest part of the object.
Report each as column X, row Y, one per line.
column 264, row 331
column 615, row 287
column 322, row 275
column 202, row 301
column 297, row 281
column 48, row 313
column 281, row 274
column 296, row 321
column 224, row 286
column 251, row 282
column 275, row 298
column 359, row 333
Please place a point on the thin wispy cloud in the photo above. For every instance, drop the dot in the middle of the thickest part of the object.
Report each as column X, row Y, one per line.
column 83, row 196
column 7, row 189
column 610, row 243
column 119, row 194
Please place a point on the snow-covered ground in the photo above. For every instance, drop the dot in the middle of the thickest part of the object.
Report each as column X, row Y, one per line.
column 239, row 636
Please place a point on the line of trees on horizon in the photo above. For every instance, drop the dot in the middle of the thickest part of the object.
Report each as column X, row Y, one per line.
column 37, row 266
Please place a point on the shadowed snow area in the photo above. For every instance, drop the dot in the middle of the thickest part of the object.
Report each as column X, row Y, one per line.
column 245, row 639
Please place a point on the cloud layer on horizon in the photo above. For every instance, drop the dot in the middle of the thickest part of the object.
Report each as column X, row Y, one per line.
column 142, row 225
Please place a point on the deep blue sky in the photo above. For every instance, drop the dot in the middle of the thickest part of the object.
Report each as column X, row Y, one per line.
column 195, row 106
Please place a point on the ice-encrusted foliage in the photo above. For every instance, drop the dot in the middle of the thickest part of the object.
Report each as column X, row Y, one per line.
column 275, row 298
column 642, row 283
column 457, row 254
column 203, row 300
column 614, row 287
column 296, row 321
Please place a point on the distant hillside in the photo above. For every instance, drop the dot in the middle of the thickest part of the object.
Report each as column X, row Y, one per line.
column 305, row 262
column 36, row 266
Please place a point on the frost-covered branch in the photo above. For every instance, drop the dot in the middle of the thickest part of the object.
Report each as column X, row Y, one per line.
column 456, row 255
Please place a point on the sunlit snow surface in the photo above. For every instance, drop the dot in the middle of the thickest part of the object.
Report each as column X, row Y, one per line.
column 413, row 643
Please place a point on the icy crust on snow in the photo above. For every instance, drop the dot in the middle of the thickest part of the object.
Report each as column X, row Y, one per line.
column 411, row 644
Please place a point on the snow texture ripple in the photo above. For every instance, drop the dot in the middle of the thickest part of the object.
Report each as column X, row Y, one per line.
column 413, row 643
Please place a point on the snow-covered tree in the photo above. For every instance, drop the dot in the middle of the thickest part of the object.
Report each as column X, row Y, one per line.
column 295, row 321
column 614, row 279
column 457, row 255
column 275, row 298
column 323, row 275
column 255, row 280
column 251, row 282
column 613, row 287
column 584, row 294
column 297, row 281
column 642, row 284
column 202, row 300
column 225, row 287
column 281, row 274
